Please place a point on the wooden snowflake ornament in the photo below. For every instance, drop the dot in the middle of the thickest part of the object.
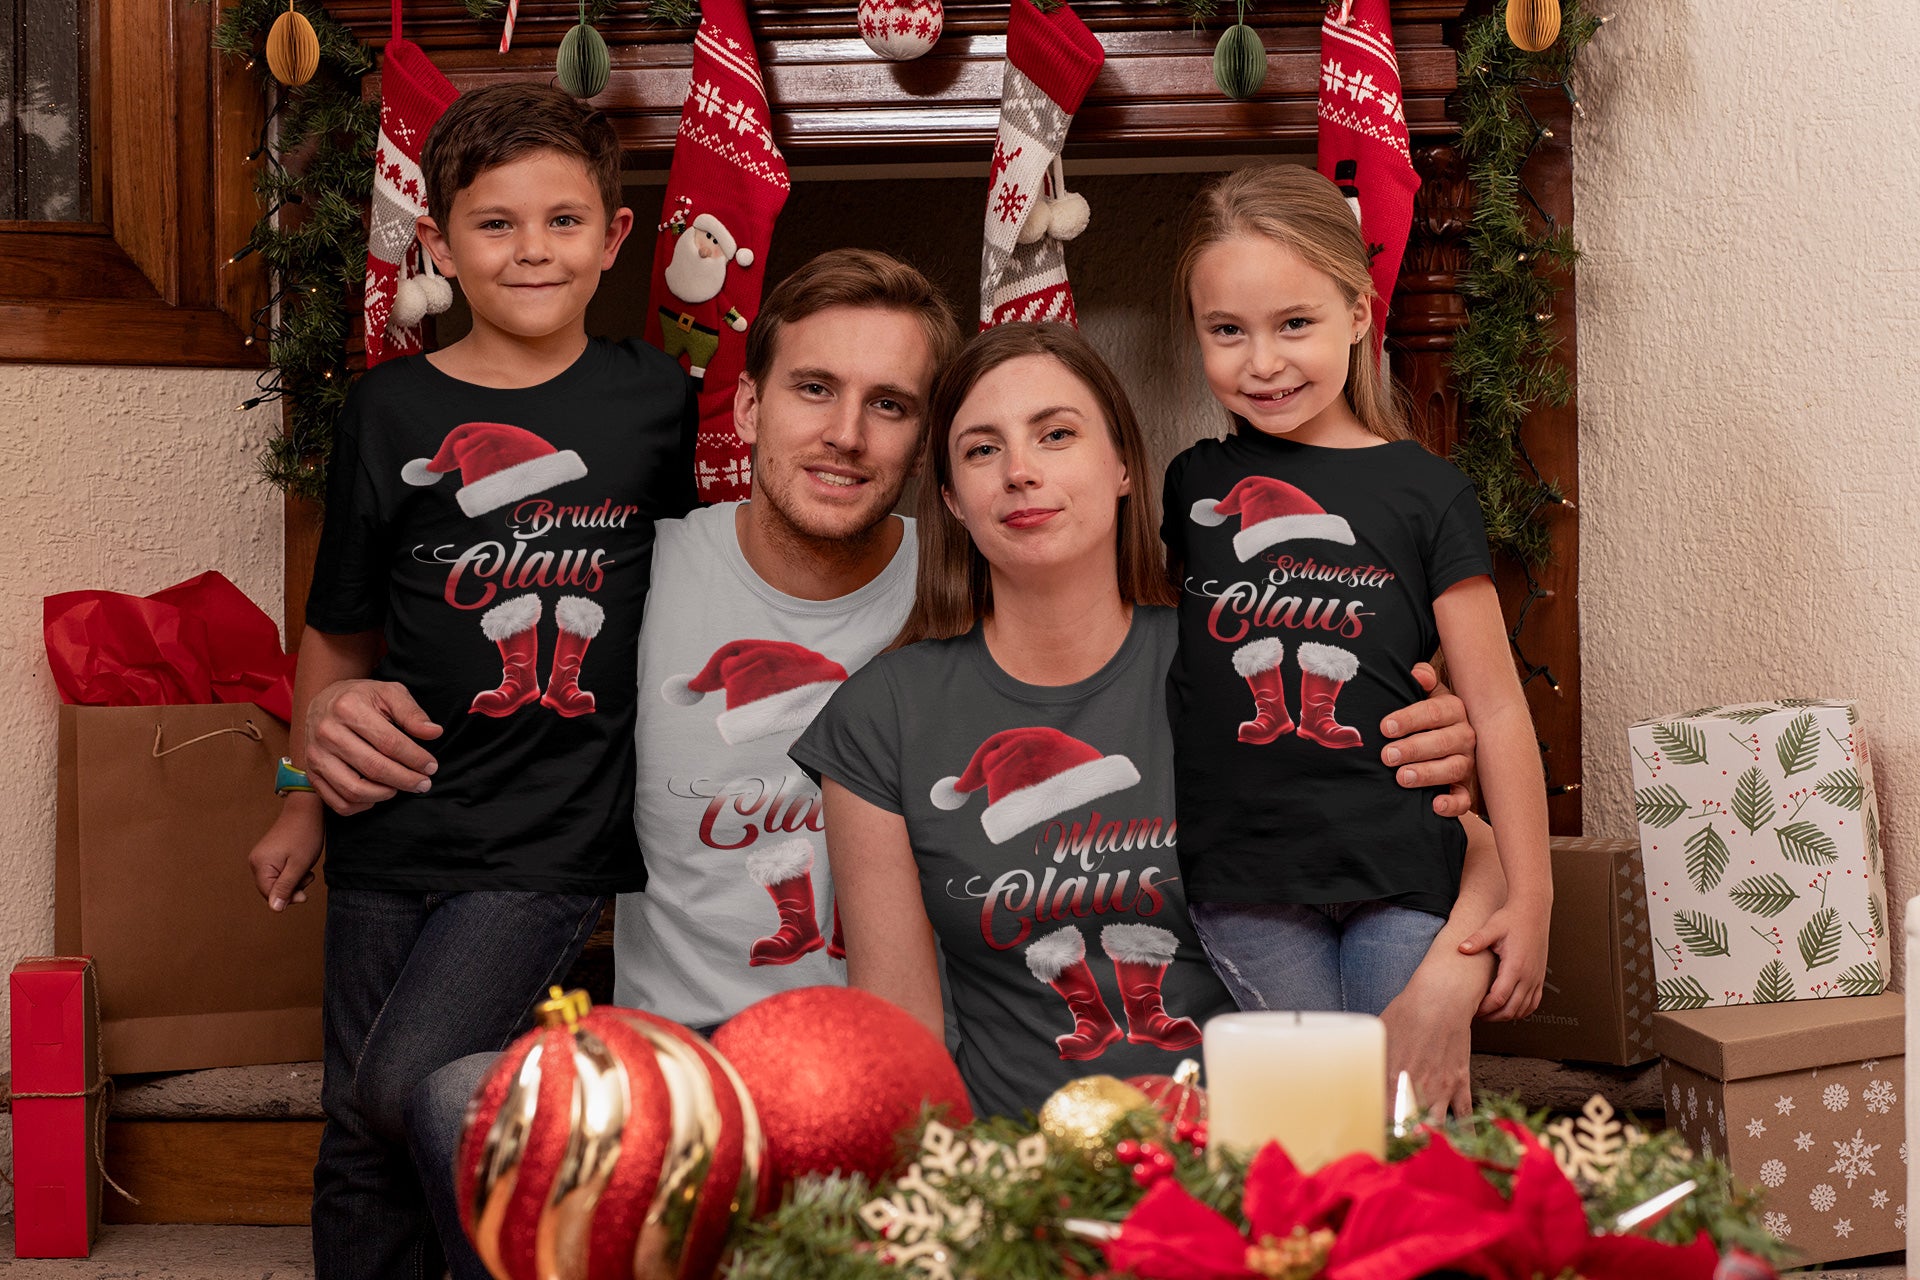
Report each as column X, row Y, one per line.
column 1592, row 1147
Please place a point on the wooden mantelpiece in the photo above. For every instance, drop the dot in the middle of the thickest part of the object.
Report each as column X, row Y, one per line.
column 836, row 101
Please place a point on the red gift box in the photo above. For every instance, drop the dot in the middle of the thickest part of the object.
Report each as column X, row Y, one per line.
column 57, row 1097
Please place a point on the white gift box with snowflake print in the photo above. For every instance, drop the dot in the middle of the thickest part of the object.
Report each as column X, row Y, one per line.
column 1803, row 1100
column 1759, row 834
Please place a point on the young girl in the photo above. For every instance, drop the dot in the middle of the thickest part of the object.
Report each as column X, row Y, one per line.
column 1321, row 552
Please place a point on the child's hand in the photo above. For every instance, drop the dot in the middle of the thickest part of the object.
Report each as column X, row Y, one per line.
column 282, row 863
column 1517, row 933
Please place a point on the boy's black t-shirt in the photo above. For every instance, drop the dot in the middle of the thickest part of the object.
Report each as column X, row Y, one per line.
column 1308, row 577
column 502, row 540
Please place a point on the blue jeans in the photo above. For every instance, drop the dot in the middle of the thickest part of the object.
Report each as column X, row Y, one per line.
column 1355, row 956
column 414, row 981
column 436, row 1116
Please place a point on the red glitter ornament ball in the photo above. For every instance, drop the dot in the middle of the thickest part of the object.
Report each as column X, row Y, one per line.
column 608, row 1144
column 835, row 1075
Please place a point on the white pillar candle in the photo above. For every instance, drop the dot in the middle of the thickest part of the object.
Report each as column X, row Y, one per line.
column 1315, row 1082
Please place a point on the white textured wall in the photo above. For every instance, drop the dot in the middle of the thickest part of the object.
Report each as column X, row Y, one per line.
column 1745, row 181
column 127, row 479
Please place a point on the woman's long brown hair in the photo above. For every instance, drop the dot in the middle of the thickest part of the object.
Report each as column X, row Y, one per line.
column 954, row 592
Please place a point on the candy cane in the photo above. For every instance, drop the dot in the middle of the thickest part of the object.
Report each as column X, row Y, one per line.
column 506, row 35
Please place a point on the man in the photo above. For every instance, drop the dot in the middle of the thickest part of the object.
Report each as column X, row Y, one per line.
column 757, row 610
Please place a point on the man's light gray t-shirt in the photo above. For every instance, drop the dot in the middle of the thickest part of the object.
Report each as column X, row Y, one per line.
column 738, row 904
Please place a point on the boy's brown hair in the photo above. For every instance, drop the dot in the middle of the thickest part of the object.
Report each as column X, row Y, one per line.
column 498, row 124
column 850, row 278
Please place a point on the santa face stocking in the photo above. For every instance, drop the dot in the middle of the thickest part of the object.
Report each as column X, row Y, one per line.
column 1363, row 135
column 413, row 93
column 1052, row 60
column 726, row 188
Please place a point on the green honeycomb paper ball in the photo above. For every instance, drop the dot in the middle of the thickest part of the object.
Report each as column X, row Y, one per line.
column 583, row 65
column 1240, row 62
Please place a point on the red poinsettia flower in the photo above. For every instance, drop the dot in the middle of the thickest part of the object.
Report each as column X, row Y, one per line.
column 1432, row 1211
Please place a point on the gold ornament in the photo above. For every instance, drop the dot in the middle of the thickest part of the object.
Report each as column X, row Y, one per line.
column 293, row 50
column 1082, row 1115
column 1533, row 24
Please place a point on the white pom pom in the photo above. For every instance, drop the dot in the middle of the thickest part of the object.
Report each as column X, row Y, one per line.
column 676, row 691
column 410, row 303
column 945, row 795
column 1036, row 224
column 744, row 257
column 416, row 473
column 438, row 292
column 1070, row 216
column 1203, row 513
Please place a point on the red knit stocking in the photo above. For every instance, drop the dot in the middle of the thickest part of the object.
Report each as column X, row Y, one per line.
column 413, row 93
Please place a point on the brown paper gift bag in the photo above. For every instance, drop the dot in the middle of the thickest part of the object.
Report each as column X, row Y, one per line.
column 159, row 807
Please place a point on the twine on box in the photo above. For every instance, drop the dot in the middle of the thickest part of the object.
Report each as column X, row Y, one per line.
column 102, row 1086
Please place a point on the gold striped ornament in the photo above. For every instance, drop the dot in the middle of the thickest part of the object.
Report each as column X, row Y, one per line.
column 607, row 1144
column 293, row 49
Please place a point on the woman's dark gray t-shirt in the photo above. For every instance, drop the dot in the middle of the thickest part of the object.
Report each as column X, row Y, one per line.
column 1042, row 822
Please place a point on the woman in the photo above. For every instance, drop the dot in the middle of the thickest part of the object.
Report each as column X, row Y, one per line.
column 999, row 786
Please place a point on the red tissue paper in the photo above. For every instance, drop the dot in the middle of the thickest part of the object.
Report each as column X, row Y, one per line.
column 199, row 641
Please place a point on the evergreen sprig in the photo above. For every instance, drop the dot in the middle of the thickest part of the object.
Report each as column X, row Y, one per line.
column 1507, row 361
column 314, row 181
column 817, row 1233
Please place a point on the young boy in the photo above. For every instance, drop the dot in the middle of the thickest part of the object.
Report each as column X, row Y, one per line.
column 489, row 530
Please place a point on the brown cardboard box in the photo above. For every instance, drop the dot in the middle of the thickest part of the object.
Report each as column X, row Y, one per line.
column 1802, row 1098
column 1598, row 1005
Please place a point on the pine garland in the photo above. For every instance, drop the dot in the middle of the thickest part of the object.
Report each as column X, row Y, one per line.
column 316, row 154
column 1506, row 361
column 818, row 1233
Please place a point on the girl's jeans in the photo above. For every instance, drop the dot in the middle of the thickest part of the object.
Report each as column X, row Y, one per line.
column 1352, row 956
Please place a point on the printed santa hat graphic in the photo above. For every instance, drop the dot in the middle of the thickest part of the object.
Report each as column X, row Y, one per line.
column 772, row 686
column 498, row 464
column 1271, row 511
column 1031, row 774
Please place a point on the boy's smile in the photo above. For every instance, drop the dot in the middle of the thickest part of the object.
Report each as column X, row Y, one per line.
column 527, row 240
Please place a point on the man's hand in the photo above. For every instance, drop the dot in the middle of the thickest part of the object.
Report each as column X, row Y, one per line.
column 282, row 863
column 1432, row 745
column 1517, row 933
column 360, row 746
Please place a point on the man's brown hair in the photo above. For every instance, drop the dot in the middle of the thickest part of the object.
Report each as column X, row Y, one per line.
column 850, row 278
column 955, row 585
column 498, row 124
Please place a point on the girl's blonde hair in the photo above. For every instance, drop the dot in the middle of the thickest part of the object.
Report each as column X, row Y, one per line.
column 1292, row 205
column 954, row 589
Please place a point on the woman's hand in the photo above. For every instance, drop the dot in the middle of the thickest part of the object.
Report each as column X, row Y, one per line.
column 1432, row 745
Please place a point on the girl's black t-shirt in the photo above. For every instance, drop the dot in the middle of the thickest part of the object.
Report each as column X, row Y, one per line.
column 1307, row 580
column 502, row 541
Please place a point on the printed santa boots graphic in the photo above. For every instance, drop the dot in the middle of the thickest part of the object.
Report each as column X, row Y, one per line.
column 1060, row 961
column 1259, row 665
column 772, row 686
column 1140, row 955
column 1324, row 671
column 580, row 620
column 515, row 627
column 785, row 871
column 1031, row 774
column 1271, row 511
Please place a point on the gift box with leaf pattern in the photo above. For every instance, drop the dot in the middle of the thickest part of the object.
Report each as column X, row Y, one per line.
column 1760, row 839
